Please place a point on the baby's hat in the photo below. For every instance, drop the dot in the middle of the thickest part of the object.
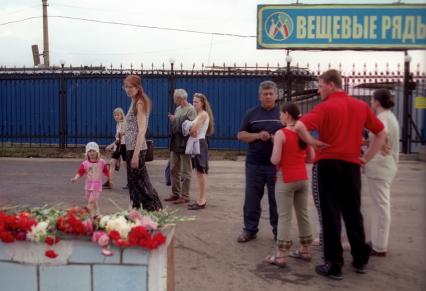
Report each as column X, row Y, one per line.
column 92, row 146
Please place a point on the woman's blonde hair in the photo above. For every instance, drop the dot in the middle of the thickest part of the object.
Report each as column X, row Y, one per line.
column 120, row 111
column 135, row 81
column 206, row 107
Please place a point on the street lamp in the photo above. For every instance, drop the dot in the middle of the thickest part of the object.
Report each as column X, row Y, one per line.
column 288, row 61
column 171, row 84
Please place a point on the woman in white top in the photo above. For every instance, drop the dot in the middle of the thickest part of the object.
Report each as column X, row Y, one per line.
column 380, row 172
column 202, row 125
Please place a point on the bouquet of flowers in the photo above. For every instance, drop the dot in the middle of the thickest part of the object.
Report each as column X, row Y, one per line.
column 134, row 228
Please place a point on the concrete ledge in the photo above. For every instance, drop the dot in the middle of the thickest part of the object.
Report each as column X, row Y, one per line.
column 112, row 278
column 72, row 278
column 20, row 277
column 81, row 266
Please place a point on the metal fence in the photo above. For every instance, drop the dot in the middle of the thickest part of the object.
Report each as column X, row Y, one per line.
column 68, row 108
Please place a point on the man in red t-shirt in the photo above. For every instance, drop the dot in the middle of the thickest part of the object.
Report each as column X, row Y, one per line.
column 336, row 180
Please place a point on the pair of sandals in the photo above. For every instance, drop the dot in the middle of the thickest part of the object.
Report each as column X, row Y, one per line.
column 196, row 206
column 280, row 260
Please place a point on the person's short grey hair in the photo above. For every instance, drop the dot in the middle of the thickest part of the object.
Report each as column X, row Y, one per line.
column 267, row 85
column 181, row 93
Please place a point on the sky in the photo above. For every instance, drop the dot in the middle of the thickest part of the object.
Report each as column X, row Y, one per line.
column 89, row 43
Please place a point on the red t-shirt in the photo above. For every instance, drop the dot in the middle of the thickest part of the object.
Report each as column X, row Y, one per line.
column 293, row 166
column 340, row 120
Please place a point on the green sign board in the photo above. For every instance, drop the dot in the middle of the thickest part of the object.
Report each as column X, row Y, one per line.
column 383, row 27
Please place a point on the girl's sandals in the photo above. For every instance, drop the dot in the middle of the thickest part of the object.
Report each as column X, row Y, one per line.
column 306, row 256
column 275, row 260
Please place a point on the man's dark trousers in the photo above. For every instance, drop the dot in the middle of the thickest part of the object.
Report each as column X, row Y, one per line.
column 257, row 176
column 339, row 185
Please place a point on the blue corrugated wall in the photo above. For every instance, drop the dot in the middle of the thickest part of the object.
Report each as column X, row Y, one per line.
column 30, row 108
column 52, row 109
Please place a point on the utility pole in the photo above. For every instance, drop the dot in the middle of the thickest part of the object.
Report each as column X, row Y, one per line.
column 45, row 35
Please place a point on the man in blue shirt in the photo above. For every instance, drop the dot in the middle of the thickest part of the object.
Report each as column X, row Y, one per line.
column 257, row 129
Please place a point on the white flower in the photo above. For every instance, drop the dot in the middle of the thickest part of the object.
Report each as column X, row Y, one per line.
column 119, row 224
column 38, row 232
column 104, row 221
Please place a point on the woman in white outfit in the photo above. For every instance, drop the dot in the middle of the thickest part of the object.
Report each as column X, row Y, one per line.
column 380, row 172
column 202, row 126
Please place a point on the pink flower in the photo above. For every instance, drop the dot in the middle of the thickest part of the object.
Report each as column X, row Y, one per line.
column 88, row 225
column 103, row 241
column 135, row 215
column 148, row 223
column 106, row 252
column 96, row 235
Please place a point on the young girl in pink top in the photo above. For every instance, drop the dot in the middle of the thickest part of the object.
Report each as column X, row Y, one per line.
column 93, row 166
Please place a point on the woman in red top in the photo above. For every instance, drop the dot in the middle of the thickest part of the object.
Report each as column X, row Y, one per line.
column 292, row 187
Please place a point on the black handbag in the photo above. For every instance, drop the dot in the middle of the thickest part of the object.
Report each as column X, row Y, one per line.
column 150, row 146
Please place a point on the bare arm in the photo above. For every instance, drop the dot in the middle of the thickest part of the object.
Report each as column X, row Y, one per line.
column 249, row 137
column 376, row 145
column 311, row 154
column 279, row 140
column 141, row 119
column 198, row 121
column 304, row 134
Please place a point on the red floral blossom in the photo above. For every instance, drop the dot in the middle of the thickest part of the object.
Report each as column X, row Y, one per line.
column 50, row 240
column 6, row 237
column 51, row 254
column 114, row 235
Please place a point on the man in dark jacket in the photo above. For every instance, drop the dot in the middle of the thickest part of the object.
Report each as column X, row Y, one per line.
column 180, row 163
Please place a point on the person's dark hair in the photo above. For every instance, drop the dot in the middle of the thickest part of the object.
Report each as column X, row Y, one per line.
column 384, row 97
column 293, row 110
column 332, row 76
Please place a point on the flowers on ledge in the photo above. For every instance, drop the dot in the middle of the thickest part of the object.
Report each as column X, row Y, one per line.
column 134, row 228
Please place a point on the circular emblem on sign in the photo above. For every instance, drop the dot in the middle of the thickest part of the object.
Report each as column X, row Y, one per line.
column 279, row 26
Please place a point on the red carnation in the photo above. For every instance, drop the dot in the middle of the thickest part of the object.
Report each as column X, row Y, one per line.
column 114, row 235
column 51, row 254
column 50, row 240
column 7, row 237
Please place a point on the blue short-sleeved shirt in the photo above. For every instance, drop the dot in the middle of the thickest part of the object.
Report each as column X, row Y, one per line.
column 256, row 120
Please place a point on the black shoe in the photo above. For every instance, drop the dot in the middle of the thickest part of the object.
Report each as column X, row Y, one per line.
column 106, row 185
column 359, row 268
column 196, row 206
column 327, row 271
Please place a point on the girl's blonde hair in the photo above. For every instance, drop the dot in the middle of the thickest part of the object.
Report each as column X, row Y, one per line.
column 206, row 107
column 120, row 111
column 135, row 81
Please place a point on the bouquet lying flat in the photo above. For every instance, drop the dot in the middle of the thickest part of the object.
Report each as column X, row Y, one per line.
column 134, row 228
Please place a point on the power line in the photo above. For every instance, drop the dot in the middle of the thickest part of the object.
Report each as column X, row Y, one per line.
column 132, row 25
column 20, row 10
column 20, row 20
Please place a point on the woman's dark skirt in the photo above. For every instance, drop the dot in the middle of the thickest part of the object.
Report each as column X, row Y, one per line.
column 140, row 188
column 201, row 162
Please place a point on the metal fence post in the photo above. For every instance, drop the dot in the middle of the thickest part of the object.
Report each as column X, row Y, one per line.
column 406, row 113
column 62, row 110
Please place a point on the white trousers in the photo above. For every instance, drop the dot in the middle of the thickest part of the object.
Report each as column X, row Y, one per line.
column 380, row 213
